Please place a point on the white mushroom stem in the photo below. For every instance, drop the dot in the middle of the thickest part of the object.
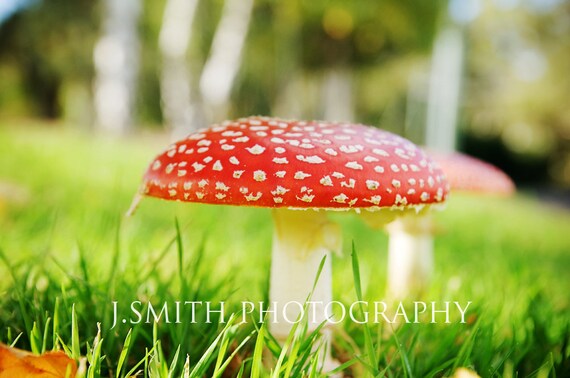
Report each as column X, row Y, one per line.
column 300, row 241
column 410, row 255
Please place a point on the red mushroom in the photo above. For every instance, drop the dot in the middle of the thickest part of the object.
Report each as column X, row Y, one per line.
column 410, row 250
column 290, row 166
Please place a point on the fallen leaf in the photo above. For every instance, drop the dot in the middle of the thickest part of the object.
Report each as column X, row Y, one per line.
column 22, row 364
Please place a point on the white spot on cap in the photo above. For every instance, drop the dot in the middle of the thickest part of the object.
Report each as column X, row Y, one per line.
column 337, row 175
column 186, row 196
column 400, row 200
column 237, row 174
column 372, row 184
column 234, row 160
column 231, row 133
column 279, row 191
column 412, row 181
column 396, row 183
column 200, row 195
column 182, row 148
column 208, row 159
column 414, row 168
column 411, row 191
column 277, row 199
column 196, row 136
column 203, row 142
column 350, row 149
column 404, row 167
column 349, row 184
column 261, row 133
column 380, row 152
column 187, row 185
column 401, row 153
column 169, row 168
column 221, row 186
column 341, row 198
column 202, row 183
column 326, row 181
column 217, row 166
column 280, row 150
column 156, row 165
column 182, row 164
column 258, row 128
column 189, row 152
column 342, row 137
column 201, row 150
column 300, row 175
column 171, row 153
column 259, row 175
column 331, row 152
column 283, row 160
column 220, row 196
column 310, row 159
column 243, row 190
column 242, row 139
column 227, row 147
column 293, row 142
column 256, row 150
column 431, row 182
column 439, row 195
column 182, row 172
column 307, row 146
column 172, row 192
column 370, row 159
column 306, row 198
column 253, row 197
column 277, row 132
column 197, row 166
column 277, row 140
column 280, row 174
column 353, row 165
column 374, row 199
column 394, row 167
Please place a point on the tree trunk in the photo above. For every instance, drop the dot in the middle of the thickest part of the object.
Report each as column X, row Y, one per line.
column 445, row 90
column 223, row 64
column 181, row 108
column 337, row 96
column 116, row 63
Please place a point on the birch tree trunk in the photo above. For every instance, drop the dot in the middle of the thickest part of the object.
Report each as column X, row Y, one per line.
column 181, row 108
column 222, row 66
column 116, row 64
column 445, row 90
column 337, row 96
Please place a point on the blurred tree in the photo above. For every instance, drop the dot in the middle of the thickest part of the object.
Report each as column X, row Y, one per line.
column 48, row 48
column 116, row 62
column 224, row 62
column 181, row 107
column 519, row 84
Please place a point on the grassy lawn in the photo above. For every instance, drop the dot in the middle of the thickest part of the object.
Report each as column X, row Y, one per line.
column 67, row 252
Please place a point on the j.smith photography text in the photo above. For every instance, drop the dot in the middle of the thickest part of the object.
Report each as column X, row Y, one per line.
column 179, row 312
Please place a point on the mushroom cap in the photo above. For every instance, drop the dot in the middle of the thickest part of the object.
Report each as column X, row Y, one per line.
column 469, row 174
column 269, row 162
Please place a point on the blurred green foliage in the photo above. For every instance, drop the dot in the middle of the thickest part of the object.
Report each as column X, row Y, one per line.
column 515, row 87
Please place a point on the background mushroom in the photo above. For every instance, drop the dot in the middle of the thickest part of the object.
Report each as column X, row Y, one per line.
column 291, row 166
column 410, row 248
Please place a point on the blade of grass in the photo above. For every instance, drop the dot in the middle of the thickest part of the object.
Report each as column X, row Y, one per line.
column 373, row 361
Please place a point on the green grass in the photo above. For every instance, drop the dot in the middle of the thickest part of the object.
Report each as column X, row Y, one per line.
column 67, row 252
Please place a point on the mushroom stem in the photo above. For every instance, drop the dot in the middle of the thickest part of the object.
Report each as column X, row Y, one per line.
column 300, row 241
column 410, row 256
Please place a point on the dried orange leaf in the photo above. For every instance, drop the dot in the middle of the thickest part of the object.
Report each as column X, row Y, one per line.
column 19, row 363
